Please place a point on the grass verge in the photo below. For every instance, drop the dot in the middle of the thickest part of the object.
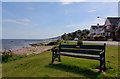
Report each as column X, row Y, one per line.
column 40, row 66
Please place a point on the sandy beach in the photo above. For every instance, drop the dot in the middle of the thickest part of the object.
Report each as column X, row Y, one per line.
column 31, row 50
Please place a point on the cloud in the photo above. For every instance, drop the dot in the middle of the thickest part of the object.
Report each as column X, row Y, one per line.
column 19, row 22
column 13, row 21
column 85, row 25
column 67, row 2
column 25, row 20
column 92, row 10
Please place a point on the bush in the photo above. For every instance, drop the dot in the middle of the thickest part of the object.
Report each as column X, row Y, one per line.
column 84, row 39
column 99, row 37
column 79, row 42
column 53, row 43
column 5, row 57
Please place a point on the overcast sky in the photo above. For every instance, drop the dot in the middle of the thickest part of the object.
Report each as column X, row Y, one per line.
column 40, row 20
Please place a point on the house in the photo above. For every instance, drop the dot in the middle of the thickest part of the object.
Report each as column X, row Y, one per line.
column 110, row 26
column 96, row 30
column 100, row 30
column 117, row 34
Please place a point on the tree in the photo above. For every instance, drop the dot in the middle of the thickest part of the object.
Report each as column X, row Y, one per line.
column 64, row 36
column 79, row 31
column 79, row 34
column 74, row 35
column 118, row 32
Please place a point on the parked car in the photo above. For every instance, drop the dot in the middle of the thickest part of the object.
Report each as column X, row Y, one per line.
column 75, row 39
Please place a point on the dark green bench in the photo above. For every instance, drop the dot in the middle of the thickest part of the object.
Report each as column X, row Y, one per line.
column 95, row 52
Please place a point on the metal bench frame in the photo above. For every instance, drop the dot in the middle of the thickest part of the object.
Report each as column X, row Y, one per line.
column 57, row 52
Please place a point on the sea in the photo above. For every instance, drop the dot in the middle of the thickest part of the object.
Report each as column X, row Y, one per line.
column 14, row 44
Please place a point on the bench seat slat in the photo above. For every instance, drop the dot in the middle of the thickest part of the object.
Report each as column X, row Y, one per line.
column 81, row 56
column 81, row 51
column 92, row 47
column 83, row 46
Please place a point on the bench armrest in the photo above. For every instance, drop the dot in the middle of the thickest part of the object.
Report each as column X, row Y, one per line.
column 102, row 52
column 54, row 49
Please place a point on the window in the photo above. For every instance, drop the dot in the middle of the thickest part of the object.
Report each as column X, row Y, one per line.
column 108, row 27
column 119, row 24
column 105, row 33
column 109, row 34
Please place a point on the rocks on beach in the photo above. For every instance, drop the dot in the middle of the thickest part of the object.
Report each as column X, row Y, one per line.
column 32, row 50
column 1, row 52
column 35, row 48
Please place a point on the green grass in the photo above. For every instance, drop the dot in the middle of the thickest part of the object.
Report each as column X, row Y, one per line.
column 31, row 49
column 40, row 66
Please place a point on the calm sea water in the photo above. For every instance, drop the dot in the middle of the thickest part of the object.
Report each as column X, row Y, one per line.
column 14, row 44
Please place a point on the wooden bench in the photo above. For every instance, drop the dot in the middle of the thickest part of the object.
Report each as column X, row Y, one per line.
column 96, row 52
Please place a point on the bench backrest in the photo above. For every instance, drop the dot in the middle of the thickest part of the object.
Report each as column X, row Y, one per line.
column 63, row 48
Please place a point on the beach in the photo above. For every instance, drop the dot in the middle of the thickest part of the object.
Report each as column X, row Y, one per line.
column 31, row 50
column 25, row 47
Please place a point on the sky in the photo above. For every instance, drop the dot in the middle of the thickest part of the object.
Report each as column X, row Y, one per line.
column 64, row 1
column 41, row 20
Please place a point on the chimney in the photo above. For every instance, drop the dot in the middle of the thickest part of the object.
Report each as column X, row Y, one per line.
column 98, row 25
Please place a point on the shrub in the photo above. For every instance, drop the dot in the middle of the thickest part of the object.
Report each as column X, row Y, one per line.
column 79, row 42
column 99, row 37
column 53, row 43
column 85, row 39
column 58, row 41
column 5, row 57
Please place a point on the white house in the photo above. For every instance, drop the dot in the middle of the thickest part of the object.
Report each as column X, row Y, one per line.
column 96, row 29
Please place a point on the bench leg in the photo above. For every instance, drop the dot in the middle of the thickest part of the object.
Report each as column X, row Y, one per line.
column 52, row 60
column 100, row 65
column 104, row 65
column 101, row 62
column 59, row 58
column 104, row 62
column 53, row 56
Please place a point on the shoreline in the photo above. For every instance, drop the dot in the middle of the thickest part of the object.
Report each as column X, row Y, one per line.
column 32, row 50
column 38, row 48
column 14, row 44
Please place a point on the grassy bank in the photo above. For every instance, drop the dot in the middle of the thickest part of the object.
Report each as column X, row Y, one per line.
column 40, row 66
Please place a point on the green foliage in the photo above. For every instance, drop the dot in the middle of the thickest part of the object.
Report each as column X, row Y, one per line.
column 5, row 57
column 99, row 37
column 118, row 32
column 53, row 43
column 79, row 34
column 40, row 66
column 79, row 42
column 85, row 31
column 64, row 36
